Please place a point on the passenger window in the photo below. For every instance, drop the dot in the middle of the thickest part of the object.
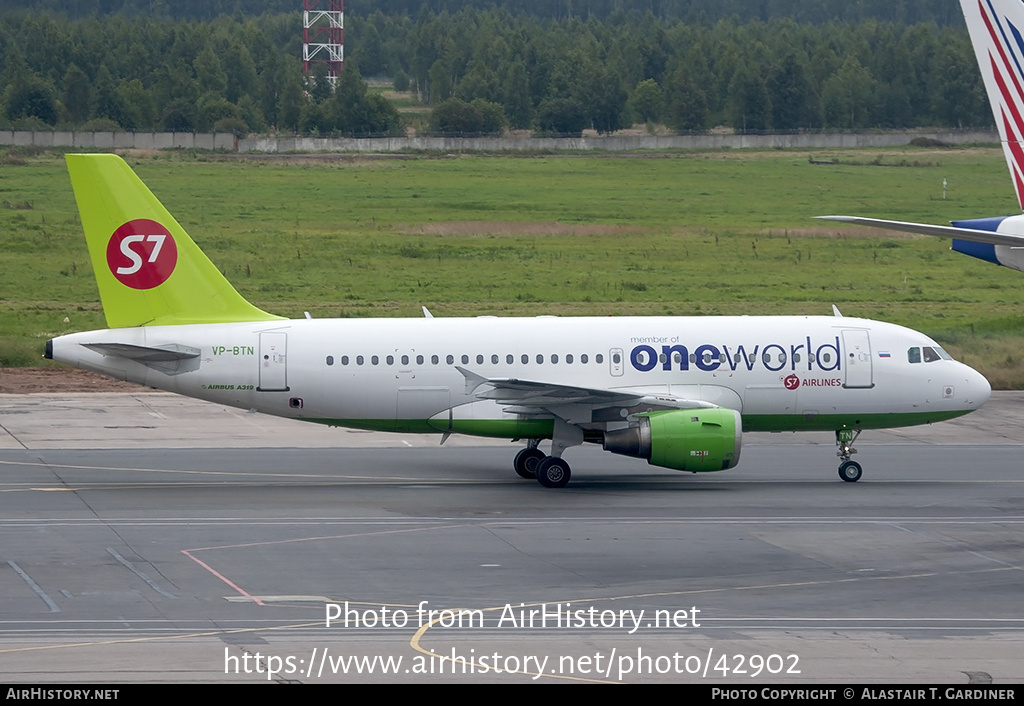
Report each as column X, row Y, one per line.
column 390, row 360
column 359, row 360
column 599, row 358
column 494, row 359
column 826, row 357
column 330, row 360
column 568, row 358
column 525, row 359
column 465, row 360
column 616, row 358
column 375, row 360
column 554, row 357
column 479, row 359
column 796, row 357
column 662, row 358
column 584, row 359
column 405, row 360
column 450, row 359
column 510, row 359
column 540, row 358
column 434, row 360
column 344, row 360
column 419, row 360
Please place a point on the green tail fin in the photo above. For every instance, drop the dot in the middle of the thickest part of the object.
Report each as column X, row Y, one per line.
column 149, row 271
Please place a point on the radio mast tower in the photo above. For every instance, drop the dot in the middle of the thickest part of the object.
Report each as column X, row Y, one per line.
column 323, row 36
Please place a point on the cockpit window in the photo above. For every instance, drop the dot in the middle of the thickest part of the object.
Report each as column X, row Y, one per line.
column 929, row 354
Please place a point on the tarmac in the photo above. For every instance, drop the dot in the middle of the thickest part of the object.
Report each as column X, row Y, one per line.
column 150, row 538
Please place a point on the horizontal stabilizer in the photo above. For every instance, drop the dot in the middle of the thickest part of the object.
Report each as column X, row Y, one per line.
column 171, row 358
column 144, row 354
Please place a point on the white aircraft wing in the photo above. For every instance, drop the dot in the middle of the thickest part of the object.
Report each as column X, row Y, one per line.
column 534, row 393
column 969, row 234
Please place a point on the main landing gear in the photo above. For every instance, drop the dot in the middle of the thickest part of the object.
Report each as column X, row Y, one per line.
column 549, row 471
column 849, row 471
column 528, row 459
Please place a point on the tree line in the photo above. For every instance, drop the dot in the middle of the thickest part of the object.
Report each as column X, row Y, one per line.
column 139, row 73
column 486, row 70
column 941, row 12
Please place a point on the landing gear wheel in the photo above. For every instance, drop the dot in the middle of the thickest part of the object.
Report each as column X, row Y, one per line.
column 850, row 471
column 526, row 462
column 553, row 472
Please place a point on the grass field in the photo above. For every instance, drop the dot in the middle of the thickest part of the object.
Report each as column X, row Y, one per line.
column 697, row 233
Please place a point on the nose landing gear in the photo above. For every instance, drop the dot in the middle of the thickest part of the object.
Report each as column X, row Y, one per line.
column 849, row 471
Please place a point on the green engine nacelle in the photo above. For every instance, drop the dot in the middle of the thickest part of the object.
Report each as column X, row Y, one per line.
column 683, row 439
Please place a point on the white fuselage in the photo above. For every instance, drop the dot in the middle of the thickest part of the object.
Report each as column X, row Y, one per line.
column 780, row 373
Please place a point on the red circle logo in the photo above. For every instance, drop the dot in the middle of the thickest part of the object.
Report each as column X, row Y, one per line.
column 142, row 254
column 791, row 382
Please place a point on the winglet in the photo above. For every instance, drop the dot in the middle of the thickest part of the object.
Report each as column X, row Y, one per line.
column 147, row 268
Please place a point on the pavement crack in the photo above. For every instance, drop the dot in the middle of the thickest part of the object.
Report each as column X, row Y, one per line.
column 11, row 434
column 131, row 567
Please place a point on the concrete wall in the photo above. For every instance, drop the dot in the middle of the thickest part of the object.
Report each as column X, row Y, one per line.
column 227, row 142
column 104, row 140
column 611, row 143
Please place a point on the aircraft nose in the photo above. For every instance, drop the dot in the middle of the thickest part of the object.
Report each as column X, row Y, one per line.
column 979, row 388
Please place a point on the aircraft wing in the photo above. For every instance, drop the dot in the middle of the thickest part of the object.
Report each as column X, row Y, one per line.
column 969, row 234
column 534, row 393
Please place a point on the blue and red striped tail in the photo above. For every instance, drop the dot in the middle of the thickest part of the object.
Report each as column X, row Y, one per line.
column 996, row 28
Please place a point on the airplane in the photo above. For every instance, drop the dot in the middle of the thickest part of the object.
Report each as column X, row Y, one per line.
column 676, row 391
column 996, row 28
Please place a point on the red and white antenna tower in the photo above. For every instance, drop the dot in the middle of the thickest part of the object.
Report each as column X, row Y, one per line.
column 323, row 36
